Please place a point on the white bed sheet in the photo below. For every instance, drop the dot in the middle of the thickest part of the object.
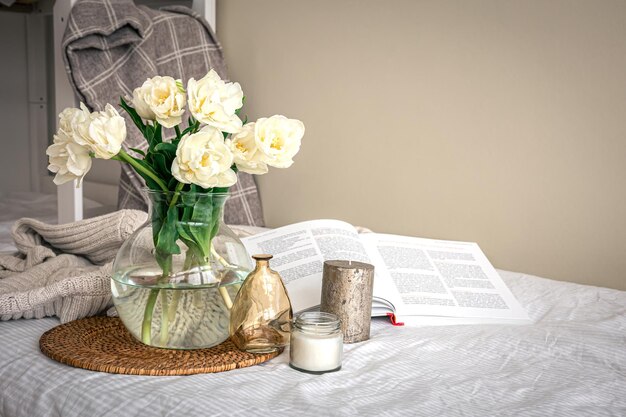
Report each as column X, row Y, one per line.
column 571, row 362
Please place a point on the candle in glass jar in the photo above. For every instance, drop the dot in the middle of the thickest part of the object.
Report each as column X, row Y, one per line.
column 316, row 343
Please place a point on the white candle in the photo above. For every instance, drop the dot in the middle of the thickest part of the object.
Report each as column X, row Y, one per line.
column 316, row 343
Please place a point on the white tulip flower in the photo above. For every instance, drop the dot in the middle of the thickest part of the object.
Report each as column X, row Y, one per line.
column 278, row 138
column 75, row 124
column 107, row 131
column 160, row 99
column 245, row 153
column 69, row 160
column 203, row 159
column 215, row 102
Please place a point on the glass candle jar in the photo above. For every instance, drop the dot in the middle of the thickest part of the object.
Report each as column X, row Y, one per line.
column 316, row 343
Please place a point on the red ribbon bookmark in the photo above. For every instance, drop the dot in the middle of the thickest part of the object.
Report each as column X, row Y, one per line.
column 394, row 320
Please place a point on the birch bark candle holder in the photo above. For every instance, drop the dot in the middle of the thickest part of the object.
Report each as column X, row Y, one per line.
column 347, row 292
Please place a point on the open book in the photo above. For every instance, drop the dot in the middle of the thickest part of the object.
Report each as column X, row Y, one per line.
column 416, row 281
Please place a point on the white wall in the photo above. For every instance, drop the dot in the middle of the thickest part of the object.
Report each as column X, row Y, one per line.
column 496, row 121
column 15, row 173
column 24, row 136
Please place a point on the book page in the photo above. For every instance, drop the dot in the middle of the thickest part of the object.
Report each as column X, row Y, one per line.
column 427, row 277
column 300, row 251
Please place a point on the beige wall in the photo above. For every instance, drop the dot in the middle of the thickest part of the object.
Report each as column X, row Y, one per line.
column 500, row 122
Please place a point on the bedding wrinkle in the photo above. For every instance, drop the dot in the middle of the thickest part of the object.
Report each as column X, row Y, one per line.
column 536, row 380
column 569, row 363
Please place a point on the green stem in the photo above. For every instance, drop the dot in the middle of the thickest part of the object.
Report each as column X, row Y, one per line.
column 177, row 131
column 146, row 325
column 227, row 300
column 223, row 292
column 196, row 126
column 165, row 323
column 220, row 258
column 173, row 306
column 179, row 187
column 176, row 297
column 169, row 312
column 123, row 156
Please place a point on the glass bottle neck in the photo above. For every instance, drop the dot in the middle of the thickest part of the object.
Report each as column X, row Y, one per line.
column 262, row 264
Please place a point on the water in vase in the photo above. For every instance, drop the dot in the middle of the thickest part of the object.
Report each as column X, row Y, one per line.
column 184, row 316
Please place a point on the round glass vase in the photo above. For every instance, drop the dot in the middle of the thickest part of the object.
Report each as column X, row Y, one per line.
column 174, row 279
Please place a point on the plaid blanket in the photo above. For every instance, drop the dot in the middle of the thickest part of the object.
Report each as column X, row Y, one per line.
column 113, row 46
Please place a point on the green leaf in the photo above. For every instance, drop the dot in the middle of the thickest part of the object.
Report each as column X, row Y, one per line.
column 149, row 181
column 161, row 166
column 243, row 101
column 200, row 225
column 184, row 233
column 165, row 146
column 205, row 190
column 151, row 184
column 187, row 201
column 187, row 130
column 172, row 183
column 149, row 135
column 153, row 134
column 168, row 234
column 150, row 131
column 158, row 133
column 215, row 219
column 134, row 116
column 159, row 214
column 139, row 151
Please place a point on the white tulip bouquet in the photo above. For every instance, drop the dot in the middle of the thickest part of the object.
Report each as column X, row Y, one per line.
column 204, row 155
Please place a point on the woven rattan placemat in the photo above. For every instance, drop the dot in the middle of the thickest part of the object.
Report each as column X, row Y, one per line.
column 103, row 344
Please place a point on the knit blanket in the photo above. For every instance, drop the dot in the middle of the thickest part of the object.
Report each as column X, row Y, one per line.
column 112, row 46
column 63, row 270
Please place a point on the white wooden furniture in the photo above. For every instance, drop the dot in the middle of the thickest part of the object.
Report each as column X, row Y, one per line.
column 70, row 197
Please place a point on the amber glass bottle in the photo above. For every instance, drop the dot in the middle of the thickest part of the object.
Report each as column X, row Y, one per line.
column 260, row 320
